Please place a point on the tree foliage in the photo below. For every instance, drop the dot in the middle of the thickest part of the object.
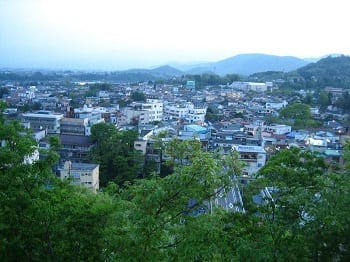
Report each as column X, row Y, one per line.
column 138, row 96
column 114, row 150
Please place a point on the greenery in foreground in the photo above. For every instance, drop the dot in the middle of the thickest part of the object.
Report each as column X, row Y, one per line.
column 44, row 219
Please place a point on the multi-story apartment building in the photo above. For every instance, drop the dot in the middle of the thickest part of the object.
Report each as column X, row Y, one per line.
column 44, row 120
column 176, row 111
column 186, row 111
column 74, row 148
column 196, row 115
column 134, row 115
column 155, row 109
column 146, row 112
column 94, row 116
column 82, row 174
column 74, row 126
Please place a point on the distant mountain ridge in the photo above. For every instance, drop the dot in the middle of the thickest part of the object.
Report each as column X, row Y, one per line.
column 247, row 64
column 243, row 64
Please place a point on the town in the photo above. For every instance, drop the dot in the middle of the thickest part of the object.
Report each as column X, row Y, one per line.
column 130, row 161
column 242, row 116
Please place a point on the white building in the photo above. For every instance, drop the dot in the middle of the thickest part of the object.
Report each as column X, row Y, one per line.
column 249, row 86
column 275, row 106
column 44, row 120
column 253, row 156
column 155, row 109
column 278, row 129
column 93, row 116
column 133, row 114
column 176, row 111
column 196, row 115
column 185, row 111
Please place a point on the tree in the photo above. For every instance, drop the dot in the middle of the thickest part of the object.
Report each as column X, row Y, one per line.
column 308, row 99
column 304, row 212
column 159, row 215
column 296, row 111
column 323, row 100
column 114, row 151
column 299, row 116
column 138, row 96
column 42, row 218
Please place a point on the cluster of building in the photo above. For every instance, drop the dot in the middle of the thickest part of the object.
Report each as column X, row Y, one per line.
column 181, row 112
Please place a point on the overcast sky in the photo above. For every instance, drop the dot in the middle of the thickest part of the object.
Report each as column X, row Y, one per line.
column 119, row 34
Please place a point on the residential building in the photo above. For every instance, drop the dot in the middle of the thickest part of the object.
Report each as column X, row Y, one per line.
column 74, row 126
column 194, row 131
column 191, row 84
column 186, row 111
column 278, row 129
column 253, row 156
column 135, row 116
column 93, row 114
column 44, row 120
column 82, row 174
column 155, row 107
column 74, row 148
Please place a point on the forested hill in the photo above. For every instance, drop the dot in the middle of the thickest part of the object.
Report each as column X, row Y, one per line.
column 329, row 71
column 329, row 67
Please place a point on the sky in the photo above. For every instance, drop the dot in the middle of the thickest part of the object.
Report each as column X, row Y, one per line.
column 121, row 34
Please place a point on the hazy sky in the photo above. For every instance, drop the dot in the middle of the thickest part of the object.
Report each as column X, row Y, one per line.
column 119, row 34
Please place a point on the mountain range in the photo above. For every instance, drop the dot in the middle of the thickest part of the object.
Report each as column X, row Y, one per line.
column 260, row 66
column 243, row 64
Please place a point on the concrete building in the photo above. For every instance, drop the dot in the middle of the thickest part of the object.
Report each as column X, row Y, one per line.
column 155, row 109
column 74, row 126
column 82, row 174
column 94, row 116
column 186, row 111
column 194, row 131
column 275, row 105
column 176, row 111
column 74, row 148
column 196, row 115
column 253, row 156
column 135, row 116
column 44, row 120
column 249, row 86
column 278, row 129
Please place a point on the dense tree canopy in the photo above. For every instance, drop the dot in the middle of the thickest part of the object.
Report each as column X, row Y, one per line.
column 114, row 151
column 298, row 115
column 138, row 96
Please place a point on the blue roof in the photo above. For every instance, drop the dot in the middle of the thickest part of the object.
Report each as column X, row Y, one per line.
column 197, row 128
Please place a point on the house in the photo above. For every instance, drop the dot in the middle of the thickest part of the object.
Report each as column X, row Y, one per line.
column 81, row 174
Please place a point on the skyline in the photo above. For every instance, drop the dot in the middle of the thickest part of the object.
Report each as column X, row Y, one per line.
column 117, row 35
